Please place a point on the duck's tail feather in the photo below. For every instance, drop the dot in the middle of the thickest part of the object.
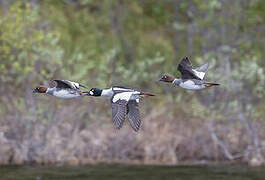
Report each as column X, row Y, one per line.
column 85, row 93
column 211, row 84
column 146, row 94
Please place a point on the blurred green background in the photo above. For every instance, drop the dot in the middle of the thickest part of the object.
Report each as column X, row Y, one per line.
column 121, row 42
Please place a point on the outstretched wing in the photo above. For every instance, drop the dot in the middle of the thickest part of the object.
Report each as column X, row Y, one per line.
column 186, row 62
column 75, row 84
column 201, row 71
column 119, row 111
column 64, row 84
column 185, row 68
column 68, row 84
column 203, row 68
column 134, row 114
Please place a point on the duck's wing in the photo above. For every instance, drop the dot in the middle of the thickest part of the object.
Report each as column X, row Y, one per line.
column 134, row 114
column 203, row 68
column 68, row 84
column 119, row 89
column 119, row 111
column 75, row 84
column 81, row 85
column 64, row 84
column 186, row 62
column 201, row 71
column 119, row 107
column 185, row 68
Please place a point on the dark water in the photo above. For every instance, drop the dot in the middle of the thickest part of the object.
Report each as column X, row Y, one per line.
column 121, row 172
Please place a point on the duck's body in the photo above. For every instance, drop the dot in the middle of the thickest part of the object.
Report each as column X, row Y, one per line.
column 64, row 89
column 120, row 92
column 124, row 101
column 64, row 93
column 192, row 84
column 192, row 79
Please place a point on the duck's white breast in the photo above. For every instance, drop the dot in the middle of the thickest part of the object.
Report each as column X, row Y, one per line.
column 107, row 92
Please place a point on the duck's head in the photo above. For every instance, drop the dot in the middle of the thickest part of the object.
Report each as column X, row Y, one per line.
column 167, row 78
column 95, row 92
column 40, row 89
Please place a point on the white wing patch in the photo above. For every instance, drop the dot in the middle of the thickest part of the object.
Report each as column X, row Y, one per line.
column 75, row 84
column 199, row 74
column 122, row 96
column 120, row 89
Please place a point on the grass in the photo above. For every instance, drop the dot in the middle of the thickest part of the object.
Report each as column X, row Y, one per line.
column 118, row 172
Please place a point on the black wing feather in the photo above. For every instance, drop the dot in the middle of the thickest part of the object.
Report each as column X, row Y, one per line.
column 81, row 85
column 63, row 84
column 186, row 62
column 134, row 115
column 119, row 111
column 185, row 68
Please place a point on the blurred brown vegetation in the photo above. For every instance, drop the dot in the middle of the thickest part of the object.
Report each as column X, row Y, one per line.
column 107, row 42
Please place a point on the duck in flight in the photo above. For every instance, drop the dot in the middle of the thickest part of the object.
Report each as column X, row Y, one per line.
column 191, row 79
column 124, row 101
column 64, row 89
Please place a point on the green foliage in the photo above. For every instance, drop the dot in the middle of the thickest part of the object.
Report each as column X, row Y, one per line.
column 26, row 46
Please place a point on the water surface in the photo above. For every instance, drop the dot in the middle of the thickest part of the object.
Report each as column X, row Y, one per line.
column 126, row 172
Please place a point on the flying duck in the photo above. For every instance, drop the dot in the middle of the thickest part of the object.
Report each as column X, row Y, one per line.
column 64, row 89
column 124, row 101
column 191, row 79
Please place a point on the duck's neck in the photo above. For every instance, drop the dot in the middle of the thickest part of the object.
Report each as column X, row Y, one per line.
column 50, row 91
column 107, row 92
column 176, row 81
